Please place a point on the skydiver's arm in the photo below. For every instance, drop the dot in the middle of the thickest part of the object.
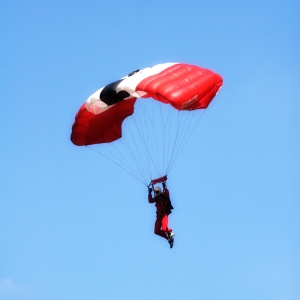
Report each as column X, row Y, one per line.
column 151, row 199
column 166, row 192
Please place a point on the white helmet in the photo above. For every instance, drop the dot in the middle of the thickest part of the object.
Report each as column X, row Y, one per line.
column 157, row 191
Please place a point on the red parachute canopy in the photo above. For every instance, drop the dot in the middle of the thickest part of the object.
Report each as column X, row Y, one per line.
column 183, row 86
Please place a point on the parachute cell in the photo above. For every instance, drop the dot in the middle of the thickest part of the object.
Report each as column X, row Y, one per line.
column 90, row 128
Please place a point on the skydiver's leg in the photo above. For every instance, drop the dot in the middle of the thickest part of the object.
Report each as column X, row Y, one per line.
column 157, row 229
column 164, row 224
column 167, row 230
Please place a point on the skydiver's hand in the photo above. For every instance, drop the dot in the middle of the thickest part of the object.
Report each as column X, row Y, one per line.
column 149, row 190
column 164, row 185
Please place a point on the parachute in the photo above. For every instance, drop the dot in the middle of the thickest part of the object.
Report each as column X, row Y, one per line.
column 175, row 87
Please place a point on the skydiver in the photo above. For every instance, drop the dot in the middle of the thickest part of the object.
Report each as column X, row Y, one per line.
column 163, row 209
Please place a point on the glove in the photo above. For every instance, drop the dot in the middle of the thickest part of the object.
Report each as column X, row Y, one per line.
column 149, row 190
column 164, row 185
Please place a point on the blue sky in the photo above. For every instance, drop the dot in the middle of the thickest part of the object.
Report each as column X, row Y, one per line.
column 75, row 226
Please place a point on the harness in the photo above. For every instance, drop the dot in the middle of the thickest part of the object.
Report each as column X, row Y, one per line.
column 167, row 208
column 165, row 201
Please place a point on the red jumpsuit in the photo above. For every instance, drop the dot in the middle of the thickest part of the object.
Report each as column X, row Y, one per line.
column 161, row 224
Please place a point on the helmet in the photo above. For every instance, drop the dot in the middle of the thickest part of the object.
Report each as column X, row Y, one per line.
column 157, row 191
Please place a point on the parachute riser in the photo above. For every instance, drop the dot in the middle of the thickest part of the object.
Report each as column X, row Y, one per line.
column 158, row 180
column 162, row 179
